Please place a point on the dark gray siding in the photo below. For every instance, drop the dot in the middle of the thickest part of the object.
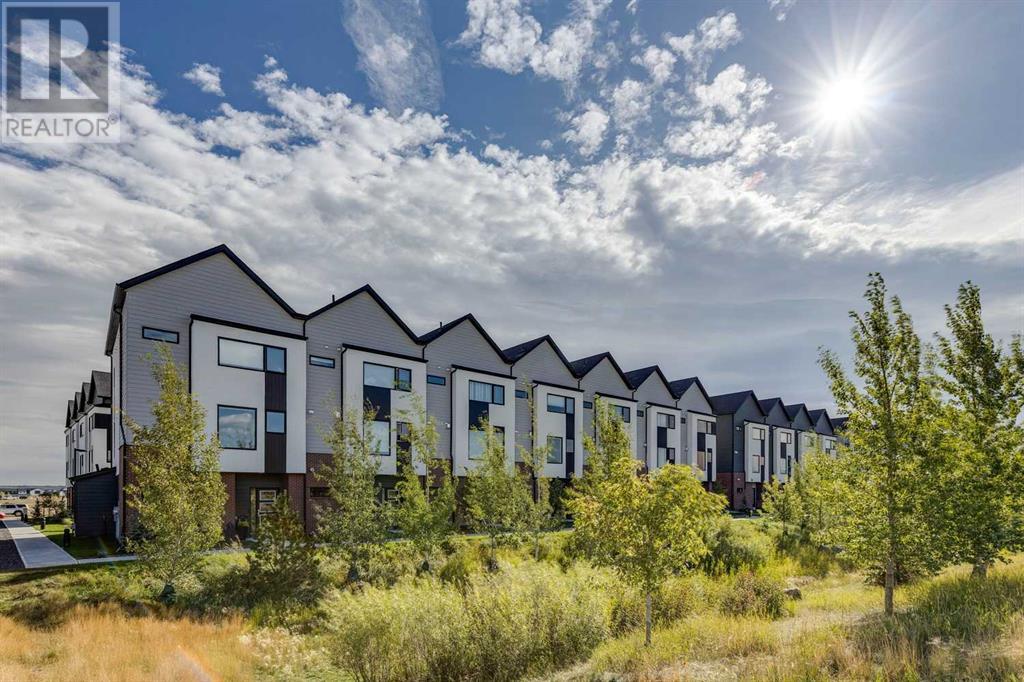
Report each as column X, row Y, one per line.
column 94, row 498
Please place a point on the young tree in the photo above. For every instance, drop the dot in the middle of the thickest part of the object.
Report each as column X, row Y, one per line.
column 495, row 495
column 879, row 493
column 782, row 502
column 354, row 523
column 982, row 472
column 644, row 527
column 177, row 490
column 539, row 516
column 284, row 565
column 425, row 512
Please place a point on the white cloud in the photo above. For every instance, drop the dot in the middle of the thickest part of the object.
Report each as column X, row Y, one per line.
column 587, row 129
column 780, row 8
column 509, row 38
column 712, row 35
column 733, row 93
column 207, row 77
column 397, row 52
column 630, row 102
column 658, row 62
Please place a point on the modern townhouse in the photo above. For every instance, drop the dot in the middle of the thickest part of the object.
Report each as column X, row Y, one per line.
column 803, row 428
column 782, row 439
column 549, row 405
column 601, row 378
column 87, row 434
column 658, row 420
column 743, row 448
column 826, row 431
column 272, row 382
column 699, row 428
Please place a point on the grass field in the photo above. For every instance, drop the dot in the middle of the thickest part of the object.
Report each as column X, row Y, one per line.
column 559, row 619
column 80, row 548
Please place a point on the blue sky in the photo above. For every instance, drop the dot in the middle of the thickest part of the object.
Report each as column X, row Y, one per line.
column 700, row 185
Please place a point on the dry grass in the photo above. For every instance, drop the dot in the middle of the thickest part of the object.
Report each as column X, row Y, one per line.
column 103, row 643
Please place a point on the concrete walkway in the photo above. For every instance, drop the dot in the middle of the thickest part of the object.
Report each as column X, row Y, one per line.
column 36, row 550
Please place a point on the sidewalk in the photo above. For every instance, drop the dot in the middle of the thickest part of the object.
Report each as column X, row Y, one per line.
column 35, row 549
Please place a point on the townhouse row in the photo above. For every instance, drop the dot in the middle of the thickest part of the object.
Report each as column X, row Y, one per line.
column 272, row 380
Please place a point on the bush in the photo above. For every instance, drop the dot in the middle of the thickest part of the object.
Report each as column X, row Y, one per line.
column 735, row 547
column 677, row 598
column 754, row 595
column 526, row 620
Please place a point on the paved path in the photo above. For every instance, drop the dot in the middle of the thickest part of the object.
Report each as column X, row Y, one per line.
column 37, row 550
column 10, row 560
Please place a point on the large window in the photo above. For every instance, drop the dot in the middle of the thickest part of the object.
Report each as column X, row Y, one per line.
column 666, row 456
column 486, row 393
column 385, row 376
column 622, row 411
column 561, row 404
column 380, row 438
column 159, row 335
column 236, row 427
column 554, row 450
column 247, row 355
column 757, row 456
column 478, row 441
column 705, row 450
column 666, row 421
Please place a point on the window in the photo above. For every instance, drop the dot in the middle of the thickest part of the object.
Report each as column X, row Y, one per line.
column 561, row 404
column 622, row 412
column 666, row 456
column 275, row 422
column 318, row 361
column 385, row 376
column 570, row 446
column 757, row 462
column 92, row 421
column 380, row 438
column 587, row 405
column 436, row 379
column 159, row 335
column 391, row 495
column 478, row 441
column 236, row 427
column 666, row 421
column 486, row 393
column 639, row 413
column 318, row 492
column 242, row 354
column 521, row 394
column 554, row 450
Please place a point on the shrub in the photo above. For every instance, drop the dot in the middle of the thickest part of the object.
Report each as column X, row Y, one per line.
column 754, row 595
column 677, row 598
column 526, row 620
column 734, row 549
column 284, row 566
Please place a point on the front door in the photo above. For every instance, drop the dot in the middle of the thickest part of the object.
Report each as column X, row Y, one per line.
column 261, row 503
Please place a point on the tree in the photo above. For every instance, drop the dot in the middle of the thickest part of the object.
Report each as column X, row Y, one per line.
column 176, row 487
column 538, row 514
column 645, row 527
column 496, row 498
column 354, row 523
column 425, row 512
column 979, row 482
column 782, row 502
column 283, row 566
column 878, row 484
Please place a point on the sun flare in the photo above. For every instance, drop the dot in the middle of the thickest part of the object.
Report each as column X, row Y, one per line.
column 843, row 100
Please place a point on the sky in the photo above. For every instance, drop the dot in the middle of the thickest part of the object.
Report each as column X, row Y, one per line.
column 704, row 186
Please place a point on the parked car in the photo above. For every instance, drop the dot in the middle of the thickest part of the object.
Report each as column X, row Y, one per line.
column 17, row 510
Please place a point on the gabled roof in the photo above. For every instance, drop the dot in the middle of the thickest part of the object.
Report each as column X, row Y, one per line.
column 793, row 410
column 817, row 414
column 729, row 403
column 367, row 289
column 435, row 334
column 70, row 413
column 83, row 397
column 99, row 387
column 122, row 287
column 582, row 367
column 78, row 405
column 768, row 404
column 516, row 353
column 636, row 377
column 681, row 386
column 839, row 423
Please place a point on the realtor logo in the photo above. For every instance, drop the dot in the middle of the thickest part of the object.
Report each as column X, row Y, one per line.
column 60, row 72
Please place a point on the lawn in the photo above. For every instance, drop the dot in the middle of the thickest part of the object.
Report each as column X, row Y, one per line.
column 555, row 619
column 80, row 548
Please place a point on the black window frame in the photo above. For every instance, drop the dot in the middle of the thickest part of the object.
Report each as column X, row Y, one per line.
column 396, row 384
column 567, row 402
column 521, row 394
column 321, row 361
column 561, row 450
column 255, row 428
column 495, row 429
column 266, row 421
column 263, row 354
column 671, row 418
column 493, row 387
column 621, row 410
column 284, row 356
column 437, row 380
column 177, row 336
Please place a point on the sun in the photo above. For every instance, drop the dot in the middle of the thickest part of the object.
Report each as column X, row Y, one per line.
column 842, row 101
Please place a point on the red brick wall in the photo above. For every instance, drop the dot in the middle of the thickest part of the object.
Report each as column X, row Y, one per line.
column 125, row 477
column 741, row 495
column 314, row 462
column 228, row 479
column 297, row 495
